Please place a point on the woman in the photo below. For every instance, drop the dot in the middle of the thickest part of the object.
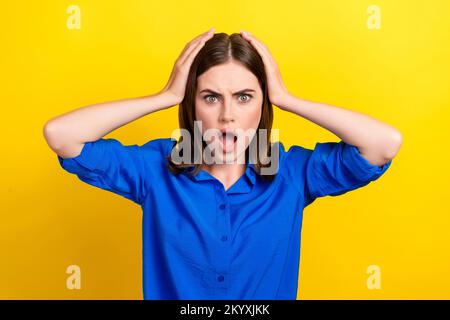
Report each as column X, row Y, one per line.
column 222, row 229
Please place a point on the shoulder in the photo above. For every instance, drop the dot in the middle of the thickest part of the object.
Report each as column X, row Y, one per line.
column 290, row 158
column 157, row 149
column 293, row 154
column 293, row 163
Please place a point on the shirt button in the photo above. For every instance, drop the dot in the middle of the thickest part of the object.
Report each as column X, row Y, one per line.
column 224, row 238
column 222, row 206
column 220, row 278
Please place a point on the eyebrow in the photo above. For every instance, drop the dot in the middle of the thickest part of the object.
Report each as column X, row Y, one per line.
column 234, row 94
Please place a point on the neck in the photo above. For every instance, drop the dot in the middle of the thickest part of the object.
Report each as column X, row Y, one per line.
column 228, row 174
column 225, row 170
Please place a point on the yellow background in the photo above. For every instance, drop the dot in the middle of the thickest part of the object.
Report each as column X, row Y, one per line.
column 399, row 74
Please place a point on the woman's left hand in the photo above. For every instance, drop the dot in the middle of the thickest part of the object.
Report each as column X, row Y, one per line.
column 278, row 93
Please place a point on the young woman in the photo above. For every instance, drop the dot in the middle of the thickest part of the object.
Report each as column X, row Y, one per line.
column 222, row 230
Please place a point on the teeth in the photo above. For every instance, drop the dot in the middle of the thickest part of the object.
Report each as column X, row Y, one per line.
column 228, row 136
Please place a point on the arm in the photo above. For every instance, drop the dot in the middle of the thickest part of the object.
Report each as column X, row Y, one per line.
column 127, row 170
column 66, row 134
column 76, row 137
column 378, row 142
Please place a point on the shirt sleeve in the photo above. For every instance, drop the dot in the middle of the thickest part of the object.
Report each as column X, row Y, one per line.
column 110, row 165
column 332, row 168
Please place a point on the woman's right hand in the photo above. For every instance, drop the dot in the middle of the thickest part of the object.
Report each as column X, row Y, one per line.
column 175, row 88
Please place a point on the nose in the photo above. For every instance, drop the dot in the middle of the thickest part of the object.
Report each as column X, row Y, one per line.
column 226, row 113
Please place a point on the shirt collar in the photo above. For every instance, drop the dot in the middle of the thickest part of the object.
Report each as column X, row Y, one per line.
column 242, row 185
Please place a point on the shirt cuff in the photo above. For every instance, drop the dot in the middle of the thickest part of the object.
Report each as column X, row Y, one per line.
column 89, row 157
column 363, row 169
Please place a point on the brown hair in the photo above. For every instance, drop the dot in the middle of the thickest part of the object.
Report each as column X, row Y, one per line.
column 220, row 49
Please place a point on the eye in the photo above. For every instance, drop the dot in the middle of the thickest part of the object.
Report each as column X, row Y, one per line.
column 213, row 98
column 206, row 98
column 245, row 95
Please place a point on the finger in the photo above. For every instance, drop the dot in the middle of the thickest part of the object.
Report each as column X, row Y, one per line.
column 192, row 47
column 189, row 45
column 260, row 44
column 202, row 35
column 193, row 43
column 253, row 41
column 257, row 45
column 262, row 49
column 190, row 57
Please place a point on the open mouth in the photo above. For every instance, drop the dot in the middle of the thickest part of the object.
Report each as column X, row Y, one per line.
column 229, row 136
column 228, row 141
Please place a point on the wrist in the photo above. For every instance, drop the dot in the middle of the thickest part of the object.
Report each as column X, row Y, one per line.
column 167, row 99
column 284, row 100
column 157, row 101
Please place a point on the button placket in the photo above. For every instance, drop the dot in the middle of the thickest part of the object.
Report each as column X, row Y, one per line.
column 223, row 218
column 216, row 279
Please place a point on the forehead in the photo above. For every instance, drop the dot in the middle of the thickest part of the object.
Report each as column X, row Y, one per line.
column 231, row 76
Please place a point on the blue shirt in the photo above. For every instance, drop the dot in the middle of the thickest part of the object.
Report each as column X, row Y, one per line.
column 201, row 241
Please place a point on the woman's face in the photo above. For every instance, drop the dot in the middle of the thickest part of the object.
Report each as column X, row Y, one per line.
column 228, row 97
